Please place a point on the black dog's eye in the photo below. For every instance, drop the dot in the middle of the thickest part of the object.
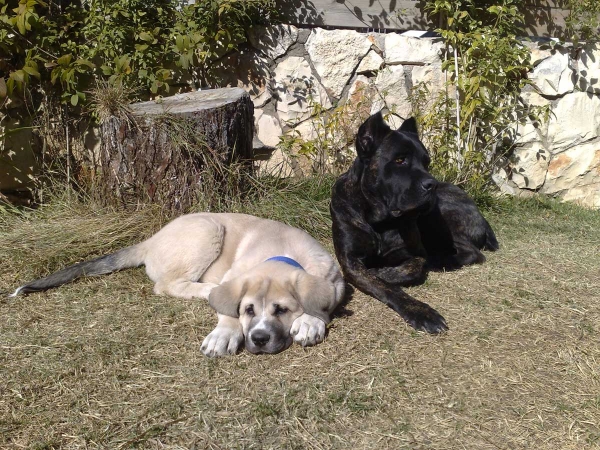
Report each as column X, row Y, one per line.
column 279, row 310
column 400, row 161
column 250, row 310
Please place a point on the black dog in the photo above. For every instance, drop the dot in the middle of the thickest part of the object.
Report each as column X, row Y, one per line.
column 392, row 219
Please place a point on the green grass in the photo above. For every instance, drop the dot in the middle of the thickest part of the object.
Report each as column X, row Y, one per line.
column 105, row 363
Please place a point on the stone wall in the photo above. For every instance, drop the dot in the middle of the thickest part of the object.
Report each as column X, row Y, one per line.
column 290, row 72
column 562, row 156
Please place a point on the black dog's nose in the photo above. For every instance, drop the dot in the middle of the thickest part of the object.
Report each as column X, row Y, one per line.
column 260, row 338
column 429, row 184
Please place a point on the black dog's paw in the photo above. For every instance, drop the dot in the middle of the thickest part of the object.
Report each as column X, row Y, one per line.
column 427, row 320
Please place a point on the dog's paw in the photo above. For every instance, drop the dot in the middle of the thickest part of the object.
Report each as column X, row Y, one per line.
column 427, row 320
column 222, row 341
column 308, row 330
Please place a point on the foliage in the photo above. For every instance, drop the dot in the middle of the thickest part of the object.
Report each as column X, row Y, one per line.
column 331, row 133
column 61, row 48
column 583, row 21
column 487, row 66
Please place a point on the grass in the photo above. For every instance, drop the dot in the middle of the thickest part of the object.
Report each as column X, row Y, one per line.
column 104, row 363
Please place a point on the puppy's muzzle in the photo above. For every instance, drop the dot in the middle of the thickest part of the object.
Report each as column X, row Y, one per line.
column 269, row 341
column 260, row 338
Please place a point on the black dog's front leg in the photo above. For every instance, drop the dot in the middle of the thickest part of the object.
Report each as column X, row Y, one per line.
column 381, row 283
column 411, row 272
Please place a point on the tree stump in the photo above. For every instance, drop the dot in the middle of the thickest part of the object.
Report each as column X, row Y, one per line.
column 167, row 151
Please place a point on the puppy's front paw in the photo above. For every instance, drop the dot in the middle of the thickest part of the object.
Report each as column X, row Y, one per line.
column 222, row 341
column 308, row 330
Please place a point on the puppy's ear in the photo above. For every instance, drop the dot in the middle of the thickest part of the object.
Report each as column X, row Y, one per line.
column 315, row 294
column 226, row 298
column 409, row 125
column 370, row 135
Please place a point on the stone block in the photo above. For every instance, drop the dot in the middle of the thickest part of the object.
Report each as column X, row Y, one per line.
column 335, row 55
column 410, row 50
column 539, row 51
column 575, row 118
column 269, row 129
column 577, row 167
column 273, row 41
column 393, row 94
column 553, row 76
column 529, row 166
column 372, row 62
column 297, row 90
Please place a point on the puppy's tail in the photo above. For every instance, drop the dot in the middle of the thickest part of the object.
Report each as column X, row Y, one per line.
column 491, row 243
column 122, row 259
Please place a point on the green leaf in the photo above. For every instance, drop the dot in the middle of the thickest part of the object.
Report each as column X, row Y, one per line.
column 144, row 36
column 141, row 47
column 19, row 76
column 32, row 71
column 85, row 62
column 10, row 85
column 179, row 43
column 55, row 74
column 21, row 24
column 64, row 60
column 74, row 99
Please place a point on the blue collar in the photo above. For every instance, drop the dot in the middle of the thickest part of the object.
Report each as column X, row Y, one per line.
column 286, row 260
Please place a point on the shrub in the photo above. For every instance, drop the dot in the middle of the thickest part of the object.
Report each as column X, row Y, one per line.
column 487, row 67
column 62, row 49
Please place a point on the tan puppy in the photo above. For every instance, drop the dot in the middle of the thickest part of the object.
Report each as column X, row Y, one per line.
column 226, row 258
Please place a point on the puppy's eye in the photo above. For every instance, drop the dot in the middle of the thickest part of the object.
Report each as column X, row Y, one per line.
column 279, row 310
column 250, row 310
column 400, row 161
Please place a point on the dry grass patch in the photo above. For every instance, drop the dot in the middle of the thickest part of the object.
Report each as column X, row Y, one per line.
column 104, row 363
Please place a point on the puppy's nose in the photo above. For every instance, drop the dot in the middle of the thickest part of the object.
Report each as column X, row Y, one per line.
column 429, row 184
column 260, row 338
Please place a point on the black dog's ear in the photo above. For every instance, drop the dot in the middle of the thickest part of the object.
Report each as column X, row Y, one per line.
column 370, row 135
column 409, row 125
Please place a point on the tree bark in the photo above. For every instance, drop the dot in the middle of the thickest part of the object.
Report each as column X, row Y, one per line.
column 161, row 151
